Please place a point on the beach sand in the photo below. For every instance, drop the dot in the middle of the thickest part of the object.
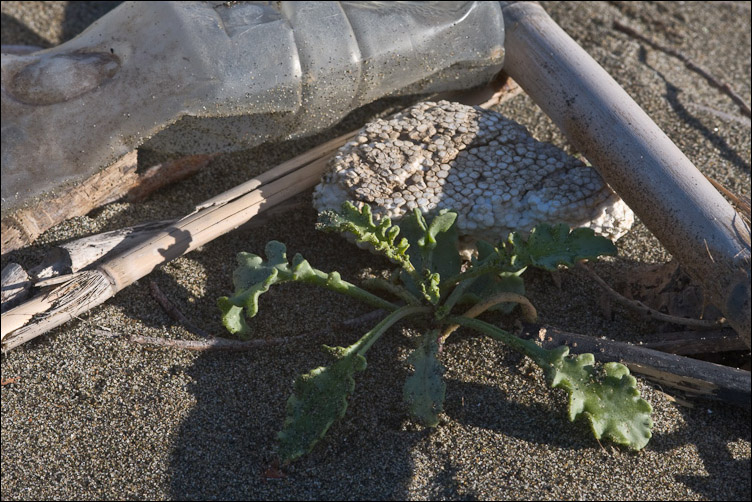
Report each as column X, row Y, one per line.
column 94, row 416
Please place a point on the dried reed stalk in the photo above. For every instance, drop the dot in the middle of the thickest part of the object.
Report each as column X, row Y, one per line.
column 213, row 218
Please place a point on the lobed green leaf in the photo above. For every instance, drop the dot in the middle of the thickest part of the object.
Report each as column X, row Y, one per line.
column 254, row 276
column 436, row 241
column 437, row 257
column 549, row 246
column 488, row 286
column 359, row 222
column 424, row 390
column 319, row 398
column 608, row 397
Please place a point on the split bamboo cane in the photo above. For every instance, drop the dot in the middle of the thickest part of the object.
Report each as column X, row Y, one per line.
column 212, row 219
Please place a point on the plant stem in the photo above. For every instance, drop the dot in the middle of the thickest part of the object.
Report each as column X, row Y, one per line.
column 456, row 295
column 525, row 347
column 396, row 290
column 477, row 270
column 362, row 345
column 529, row 313
column 473, row 273
column 335, row 283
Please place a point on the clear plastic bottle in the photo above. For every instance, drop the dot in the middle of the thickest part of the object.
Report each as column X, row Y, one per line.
column 212, row 76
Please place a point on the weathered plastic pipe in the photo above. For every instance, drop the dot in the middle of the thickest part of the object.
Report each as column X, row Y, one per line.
column 214, row 77
column 661, row 185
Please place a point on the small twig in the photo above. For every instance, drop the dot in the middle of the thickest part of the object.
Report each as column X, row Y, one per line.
column 173, row 311
column 206, row 345
column 500, row 90
column 745, row 121
column 217, row 343
column 640, row 307
column 723, row 86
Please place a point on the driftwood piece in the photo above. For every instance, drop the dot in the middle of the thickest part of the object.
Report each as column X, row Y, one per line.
column 23, row 226
column 692, row 376
column 120, row 180
column 648, row 171
column 165, row 174
column 15, row 285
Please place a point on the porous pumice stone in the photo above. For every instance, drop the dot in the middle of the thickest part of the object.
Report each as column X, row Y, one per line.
column 474, row 161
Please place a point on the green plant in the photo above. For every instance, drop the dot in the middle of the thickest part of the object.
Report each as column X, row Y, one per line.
column 431, row 282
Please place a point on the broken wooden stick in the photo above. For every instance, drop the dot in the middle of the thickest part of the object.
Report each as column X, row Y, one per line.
column 692, row 376
column 118, row 181
column 78, row 254
column 215, row 217
column 15, row 285
column 70, row 258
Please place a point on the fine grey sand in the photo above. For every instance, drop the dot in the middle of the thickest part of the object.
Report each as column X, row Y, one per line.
column 93, row 416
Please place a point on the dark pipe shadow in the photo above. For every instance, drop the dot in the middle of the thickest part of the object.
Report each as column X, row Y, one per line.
column 672, row 96
column 79, row 15
column 227, row 441
column 13, row 32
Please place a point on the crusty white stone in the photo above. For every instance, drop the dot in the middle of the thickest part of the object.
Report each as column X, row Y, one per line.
column 477, row 162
